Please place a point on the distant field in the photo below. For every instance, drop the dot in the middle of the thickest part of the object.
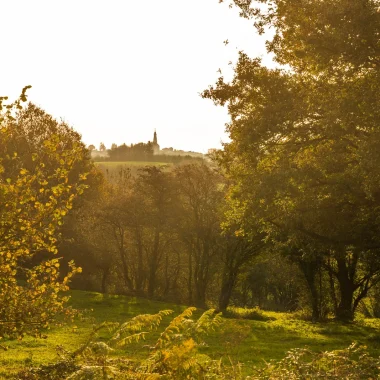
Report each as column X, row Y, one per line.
column 112, row 167
column 118, row 164
column 248, row 342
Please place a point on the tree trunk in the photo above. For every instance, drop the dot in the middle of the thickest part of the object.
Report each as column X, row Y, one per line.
column 105, row 275
column 332, row 287
column 152, row 280
column 153, row 264
column 201, row 273
column 226, row 291
column 119, row 236
column 309, row 270
column 140, row 264
column 200, row 294
column 167, row 275
column 347, row 288
column 190, row 279
column 230, row 272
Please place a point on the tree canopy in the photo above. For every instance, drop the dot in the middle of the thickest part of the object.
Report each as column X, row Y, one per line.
column 304, row 147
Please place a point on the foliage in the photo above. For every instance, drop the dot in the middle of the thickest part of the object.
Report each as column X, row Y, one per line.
column 338, row 35
column 246, row 343
column 175, row 352
column 58, row 370
column 353, row 362
column 174, row 355
column 37, row 190
column 201, row 192
column 143, row 152
column 245, row 313
column 370, row 307
column 136, row 152
column 155, row 233
column 303, row 155
column 271, row 282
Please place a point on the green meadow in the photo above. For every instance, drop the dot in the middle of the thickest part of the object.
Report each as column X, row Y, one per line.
column 240, row 341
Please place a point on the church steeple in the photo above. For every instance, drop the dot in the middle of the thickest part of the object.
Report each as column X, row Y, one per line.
column 156, row 147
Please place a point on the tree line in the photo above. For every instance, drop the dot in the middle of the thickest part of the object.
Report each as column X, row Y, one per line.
column 142, row 152
column 177, row 235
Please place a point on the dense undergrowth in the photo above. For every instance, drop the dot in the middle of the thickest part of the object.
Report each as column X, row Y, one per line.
column 236, row 348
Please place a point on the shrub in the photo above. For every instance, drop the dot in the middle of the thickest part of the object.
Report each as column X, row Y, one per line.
column 353, row 363
column 255, row 313
column 41, row 175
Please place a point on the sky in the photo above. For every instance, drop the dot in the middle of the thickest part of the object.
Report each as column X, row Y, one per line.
column 117, row 70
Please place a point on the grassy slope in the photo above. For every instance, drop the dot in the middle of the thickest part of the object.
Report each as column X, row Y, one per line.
column 118, row 164
column 112, row 168
column 245, row 341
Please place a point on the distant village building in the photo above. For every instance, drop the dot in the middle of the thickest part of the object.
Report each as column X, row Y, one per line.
column 156, row 150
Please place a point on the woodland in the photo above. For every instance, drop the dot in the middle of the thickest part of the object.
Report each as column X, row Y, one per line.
column 284, row 219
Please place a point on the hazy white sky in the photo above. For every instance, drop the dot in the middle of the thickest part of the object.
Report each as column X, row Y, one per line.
column 115, row 70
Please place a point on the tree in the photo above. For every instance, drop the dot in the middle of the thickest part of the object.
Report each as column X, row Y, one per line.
column 35, row 195
column 201, row 193
column 140, row 151
column 235, row 252
column 305, row 142
column 158, row 201
column 87, row 238
column 112, row 217
column 91, row 147
column 314, row 36
column 102, row 147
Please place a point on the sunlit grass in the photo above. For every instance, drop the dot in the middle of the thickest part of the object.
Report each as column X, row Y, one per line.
column 246, row 341
column 118, row 164
column 113, row 168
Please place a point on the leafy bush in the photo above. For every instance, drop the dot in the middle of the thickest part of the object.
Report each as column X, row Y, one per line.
column 54, row 371
column 37, row 162
column 254, row 313
column 351, row 363
column 370, row 306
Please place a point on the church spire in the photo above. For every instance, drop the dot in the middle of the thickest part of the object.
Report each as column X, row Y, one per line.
column 156, row 147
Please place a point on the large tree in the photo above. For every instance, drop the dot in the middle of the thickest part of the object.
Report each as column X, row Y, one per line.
column 305, row 142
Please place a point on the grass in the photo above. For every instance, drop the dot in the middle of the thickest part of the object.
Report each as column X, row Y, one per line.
column 111, row 168
column 247, row 341
column 117, row 164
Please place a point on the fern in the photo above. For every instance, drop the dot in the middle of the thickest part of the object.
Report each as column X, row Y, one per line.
column 208, row 321
column 174, row 355
column 174, row 326
column 131, row 338
column 175, row 352
column 109, row 325
column 136, row 324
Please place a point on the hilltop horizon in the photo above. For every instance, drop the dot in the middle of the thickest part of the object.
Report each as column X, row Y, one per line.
column 165, row 148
